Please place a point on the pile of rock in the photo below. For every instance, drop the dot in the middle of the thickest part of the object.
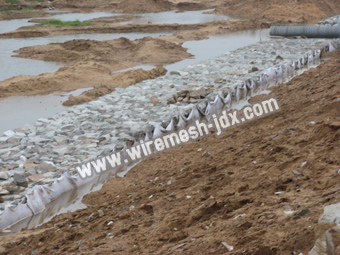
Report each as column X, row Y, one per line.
column 191, row 96
column 332, row 21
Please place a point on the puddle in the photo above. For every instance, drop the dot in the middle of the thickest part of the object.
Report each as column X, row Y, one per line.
column 172, row 17
column 84, row 16
column 217, row 45
column 20, row 110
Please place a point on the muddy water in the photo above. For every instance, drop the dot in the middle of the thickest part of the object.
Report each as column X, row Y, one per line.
column 172, row 17
column 217, row 45
column 17, row 111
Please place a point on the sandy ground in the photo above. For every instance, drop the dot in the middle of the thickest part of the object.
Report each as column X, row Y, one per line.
column 222, row 189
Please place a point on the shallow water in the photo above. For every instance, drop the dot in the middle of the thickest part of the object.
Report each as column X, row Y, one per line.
column 19, row 110
column 173, row 17
column 217, row 45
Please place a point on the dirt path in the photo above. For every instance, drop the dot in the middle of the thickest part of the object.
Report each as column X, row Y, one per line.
column 221, row 189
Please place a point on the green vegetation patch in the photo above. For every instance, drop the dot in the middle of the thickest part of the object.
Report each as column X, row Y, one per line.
column 59, row 23
column 13, row 1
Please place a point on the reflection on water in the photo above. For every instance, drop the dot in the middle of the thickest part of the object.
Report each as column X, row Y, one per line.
column 19, row 110
column 172, row 17
column 217, row 45
column 84, row 16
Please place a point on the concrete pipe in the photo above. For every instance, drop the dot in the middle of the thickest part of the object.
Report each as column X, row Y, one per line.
column 307, row 31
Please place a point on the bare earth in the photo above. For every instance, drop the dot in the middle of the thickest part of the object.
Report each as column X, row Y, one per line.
column 222, row 189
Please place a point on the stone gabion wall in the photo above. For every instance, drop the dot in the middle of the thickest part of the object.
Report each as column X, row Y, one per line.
column 227, row 97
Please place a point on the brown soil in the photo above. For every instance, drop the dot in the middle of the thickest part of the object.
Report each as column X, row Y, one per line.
column 142, row 6
column 222, row 189
column 16, row 14
column 277, row 11
column 91, row 63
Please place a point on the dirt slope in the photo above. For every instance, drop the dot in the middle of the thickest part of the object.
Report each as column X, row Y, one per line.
column 276, row 11
column 221, row 189
column 142, row 6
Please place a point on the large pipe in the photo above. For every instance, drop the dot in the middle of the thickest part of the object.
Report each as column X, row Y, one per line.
column 307, row 31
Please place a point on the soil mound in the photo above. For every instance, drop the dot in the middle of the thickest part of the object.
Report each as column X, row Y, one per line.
column 190, row 6
column 107, row 51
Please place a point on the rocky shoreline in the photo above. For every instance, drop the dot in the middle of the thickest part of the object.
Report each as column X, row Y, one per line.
column 38, row 154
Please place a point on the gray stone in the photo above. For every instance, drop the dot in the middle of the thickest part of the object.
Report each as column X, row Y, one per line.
column 3, row 139
column 331, row 214
column 9, row 133
column 20, row 180
column 4, row 176
column 61, row 150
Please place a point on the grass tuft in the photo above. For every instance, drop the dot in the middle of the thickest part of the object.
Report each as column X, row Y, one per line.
column 59, row 23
